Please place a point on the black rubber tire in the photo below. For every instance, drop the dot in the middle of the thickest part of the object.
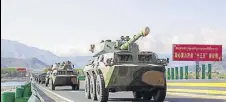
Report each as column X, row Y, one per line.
column 147, row 95
column 137, row 95
column 87, row 88
column 160, row 94
column 74, row 87
column 93, row 89
column 47, row 82
column 53, row 86
column 78, row 85
column 101, row 92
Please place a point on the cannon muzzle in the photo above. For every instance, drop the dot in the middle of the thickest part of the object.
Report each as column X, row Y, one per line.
column 143, row 33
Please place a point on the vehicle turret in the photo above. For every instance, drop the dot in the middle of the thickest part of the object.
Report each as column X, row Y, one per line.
column 125, row 43
column 129, row 41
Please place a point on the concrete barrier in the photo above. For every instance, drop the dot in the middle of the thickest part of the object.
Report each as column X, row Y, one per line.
column 21, row 94
column 35, row 97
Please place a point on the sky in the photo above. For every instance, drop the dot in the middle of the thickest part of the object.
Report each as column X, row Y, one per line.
column 68, row 27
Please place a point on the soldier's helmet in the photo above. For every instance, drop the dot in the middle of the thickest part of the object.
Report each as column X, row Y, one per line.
column 62, row 64
column 68, row 62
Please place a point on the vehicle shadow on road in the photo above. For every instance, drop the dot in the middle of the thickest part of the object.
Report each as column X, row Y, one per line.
column 127, row 99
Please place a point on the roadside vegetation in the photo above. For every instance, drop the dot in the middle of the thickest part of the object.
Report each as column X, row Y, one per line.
column 192, row 75
column 11, row 72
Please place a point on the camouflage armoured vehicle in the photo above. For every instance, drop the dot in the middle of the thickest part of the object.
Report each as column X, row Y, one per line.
column 48, row 75
column 121, row 66
column 41, row 78
column 63, row 75
column 36, row 77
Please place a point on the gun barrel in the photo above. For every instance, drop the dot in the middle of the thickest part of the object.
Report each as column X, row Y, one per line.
column 143, row 33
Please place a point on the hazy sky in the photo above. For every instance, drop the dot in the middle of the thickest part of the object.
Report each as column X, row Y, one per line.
column 67, row 27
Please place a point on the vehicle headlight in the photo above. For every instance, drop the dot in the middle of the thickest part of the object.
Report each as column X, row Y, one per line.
column 164, row 61
column 109, row 62
column 159, row 61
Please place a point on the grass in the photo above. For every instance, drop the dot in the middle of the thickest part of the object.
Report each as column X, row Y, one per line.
column 192, row 75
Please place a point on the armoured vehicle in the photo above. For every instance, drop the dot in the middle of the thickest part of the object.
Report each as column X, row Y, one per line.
column 121, row 66
column 36, row 77
column 48, row 75
column 41, row 78
column 63, row 75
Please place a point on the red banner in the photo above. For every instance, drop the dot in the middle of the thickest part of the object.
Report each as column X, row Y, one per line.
column 21, row 69
column 195, row 52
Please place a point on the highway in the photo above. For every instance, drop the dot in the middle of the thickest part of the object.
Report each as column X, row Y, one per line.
column 65, row 94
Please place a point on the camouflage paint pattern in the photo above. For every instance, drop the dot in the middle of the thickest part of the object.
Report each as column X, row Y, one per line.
column 131, row 74
column 123, row 76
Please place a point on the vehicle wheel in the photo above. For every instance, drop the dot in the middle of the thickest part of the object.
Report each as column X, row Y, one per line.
column 87, row 88
column 160, row 94
column 53, row 86
column 101, row 92
column 93, row 88
column 50, row 85
column 78, row 85
column 47, row 82
column 74, row 87
column 147, row 95
column 137, row 95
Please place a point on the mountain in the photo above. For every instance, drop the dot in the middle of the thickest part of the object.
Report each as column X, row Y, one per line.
column 14, row 49
column 33, row 63
column 17, row 50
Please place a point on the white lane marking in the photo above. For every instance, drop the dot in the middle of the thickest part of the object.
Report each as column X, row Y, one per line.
column 74, row 91
column 68, row 100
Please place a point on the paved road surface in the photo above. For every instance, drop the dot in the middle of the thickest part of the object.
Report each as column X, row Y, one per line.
column 78, row 96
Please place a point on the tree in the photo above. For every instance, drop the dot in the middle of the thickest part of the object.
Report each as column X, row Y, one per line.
column 46, row 70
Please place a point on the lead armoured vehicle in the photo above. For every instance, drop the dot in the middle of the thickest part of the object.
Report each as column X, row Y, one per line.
column 63, row 75
column 121, row 66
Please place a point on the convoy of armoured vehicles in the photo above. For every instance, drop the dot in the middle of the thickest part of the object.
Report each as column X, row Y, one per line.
column 121, row 66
